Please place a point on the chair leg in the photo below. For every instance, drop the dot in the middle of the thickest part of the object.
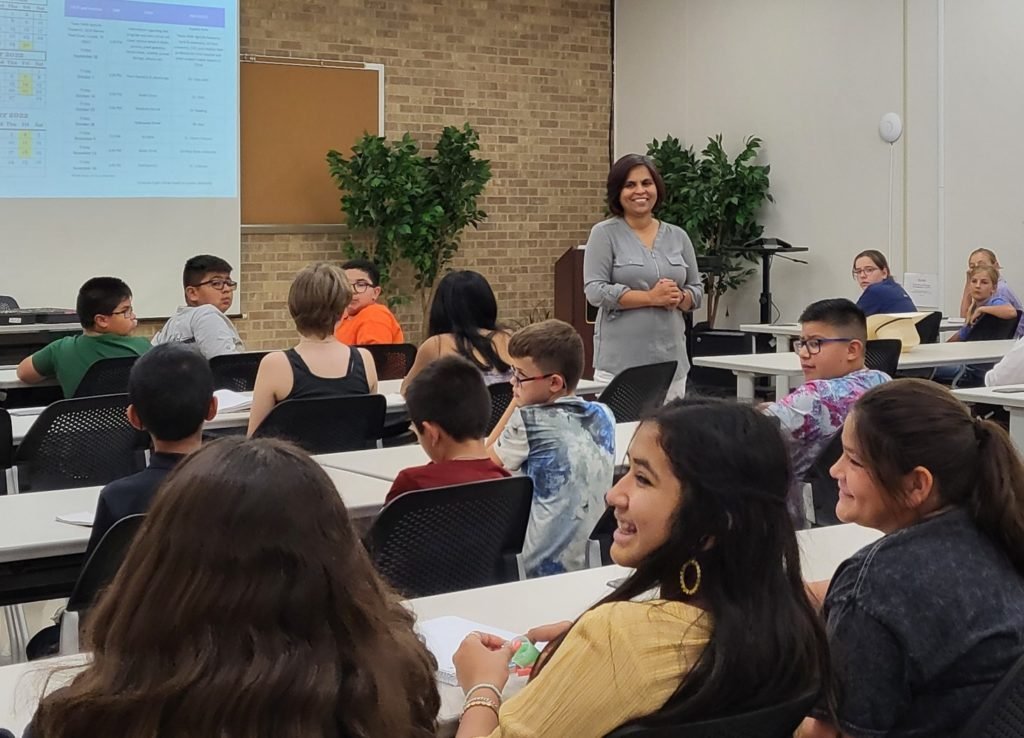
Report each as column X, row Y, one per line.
column 807, row 495
column 17, row 631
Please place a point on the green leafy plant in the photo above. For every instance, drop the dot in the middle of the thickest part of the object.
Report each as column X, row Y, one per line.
column 717, row 202
column 414, row 207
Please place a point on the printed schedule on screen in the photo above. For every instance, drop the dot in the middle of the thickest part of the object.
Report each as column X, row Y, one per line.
column 118, row 98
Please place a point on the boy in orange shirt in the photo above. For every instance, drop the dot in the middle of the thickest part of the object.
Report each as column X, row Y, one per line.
column 366, row 321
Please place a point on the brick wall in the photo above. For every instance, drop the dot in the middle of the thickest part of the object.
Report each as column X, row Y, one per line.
column 534, row 79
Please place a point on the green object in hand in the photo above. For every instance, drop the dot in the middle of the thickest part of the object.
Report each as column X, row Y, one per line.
column 526, row 655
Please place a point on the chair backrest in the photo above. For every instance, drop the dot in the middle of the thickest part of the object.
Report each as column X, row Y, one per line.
column 393, row 360
column 327, row 426
column 928, row 327
column 1001, row 715
column 106, row 377
column 991, row 328
column 452, row 538
column 776, row 721
column 80, row 442
column 236, row 372
column 638, row 390
column 8, row 303
column 103, row 563
column 599, row 544
column 6, row 447
column 501, row 398
column 883, row 354
column 825, row 489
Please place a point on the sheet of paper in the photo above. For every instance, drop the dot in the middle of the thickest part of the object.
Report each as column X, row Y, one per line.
column 923, row 288
column 229, row 401
column 77, row 518
column 443, row 636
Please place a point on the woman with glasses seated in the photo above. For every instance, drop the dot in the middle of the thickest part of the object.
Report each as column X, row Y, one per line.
column 882, row 293
column 320, row 367
column 366, row 321
column 464, row 321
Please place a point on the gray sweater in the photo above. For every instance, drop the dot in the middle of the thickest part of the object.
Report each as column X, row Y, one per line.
column 208, row 328
column 614, row 263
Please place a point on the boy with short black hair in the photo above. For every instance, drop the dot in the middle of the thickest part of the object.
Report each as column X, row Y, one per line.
column 449, row 407
column 366, row 321
column 565, row 444
column 105, row 311
column 833, row 336
column 171, row 394
column 209, row 292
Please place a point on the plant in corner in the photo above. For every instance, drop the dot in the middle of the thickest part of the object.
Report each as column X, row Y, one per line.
column 717, row 202
column 415, row 206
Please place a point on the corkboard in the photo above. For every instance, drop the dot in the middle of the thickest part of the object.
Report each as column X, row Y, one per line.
column 292, row 113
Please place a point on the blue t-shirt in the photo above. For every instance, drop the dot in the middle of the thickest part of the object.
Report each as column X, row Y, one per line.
column 887, row 296
column 567, row 447
column 965, row 330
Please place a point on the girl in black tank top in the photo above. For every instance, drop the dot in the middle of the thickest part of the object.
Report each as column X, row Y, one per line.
column 308, row 386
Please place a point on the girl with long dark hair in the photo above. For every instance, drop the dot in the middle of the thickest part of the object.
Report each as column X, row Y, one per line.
column 702, row 517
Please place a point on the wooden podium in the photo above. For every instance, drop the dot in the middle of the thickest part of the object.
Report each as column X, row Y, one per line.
column 571, row 304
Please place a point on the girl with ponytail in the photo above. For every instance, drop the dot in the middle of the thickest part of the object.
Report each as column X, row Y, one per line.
column 924, row 622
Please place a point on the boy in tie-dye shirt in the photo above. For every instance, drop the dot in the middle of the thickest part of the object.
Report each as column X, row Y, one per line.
column 833, row 334
column 565, row 444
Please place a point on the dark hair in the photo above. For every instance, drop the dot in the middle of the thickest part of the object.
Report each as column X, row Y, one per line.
column 171, row 386
column 988, row 252
column 839, row 313
column 554, row 346
column 768, row 644
column 876, row 256
column 247, row 606
column 463, row 306
column 100, row 296
column 364, row 265
column 619, row 173
column 198, row 267
column 450, row 392
column 317, row 297
column 907, row 423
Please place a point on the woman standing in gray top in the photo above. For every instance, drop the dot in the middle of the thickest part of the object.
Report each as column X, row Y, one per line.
column 642, row 274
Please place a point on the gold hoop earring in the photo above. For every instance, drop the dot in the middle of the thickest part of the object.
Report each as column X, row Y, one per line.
column 691, row 589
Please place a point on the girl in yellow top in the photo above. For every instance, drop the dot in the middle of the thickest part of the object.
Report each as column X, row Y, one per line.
column 702, row 517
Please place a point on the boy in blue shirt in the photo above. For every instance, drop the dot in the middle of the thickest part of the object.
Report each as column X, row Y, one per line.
column 565, row 444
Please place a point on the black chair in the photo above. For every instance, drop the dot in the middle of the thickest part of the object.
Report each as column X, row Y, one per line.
column 327, row 426
column 8, row 303
column 599, row 544
column 991, row 328
column 452, row 538
column 393, row 360
column 106, row 377
column 638, row 390
column 81, row 442
column 501, row 398
column 1001, row 715
column 777, row 721
column 883, row 354
column 928, row 327
column 825, row 489
column 97, row 573
column 6, row 448
column 236, row 372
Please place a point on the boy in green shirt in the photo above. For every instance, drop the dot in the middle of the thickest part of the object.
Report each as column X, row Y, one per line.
column 105, row 309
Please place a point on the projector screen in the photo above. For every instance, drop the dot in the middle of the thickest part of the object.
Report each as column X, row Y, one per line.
column 118, row 145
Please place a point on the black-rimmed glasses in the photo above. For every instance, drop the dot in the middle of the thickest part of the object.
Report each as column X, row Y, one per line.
column 517, row 380
column 219, row 284
column 813, row 345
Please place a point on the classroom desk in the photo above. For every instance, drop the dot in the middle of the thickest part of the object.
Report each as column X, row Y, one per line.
column 515, row 607
column 929, row 355
column 385, row 463
column 1012, row 401
column 40, row 558
column 9, row 380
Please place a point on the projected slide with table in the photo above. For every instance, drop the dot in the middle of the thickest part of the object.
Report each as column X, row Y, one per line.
column 118, row 143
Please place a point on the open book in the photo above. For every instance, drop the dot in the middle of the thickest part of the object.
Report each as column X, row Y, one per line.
column 232, row 402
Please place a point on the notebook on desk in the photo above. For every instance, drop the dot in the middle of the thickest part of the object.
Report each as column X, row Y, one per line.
column 445, row 634
column 229, row 401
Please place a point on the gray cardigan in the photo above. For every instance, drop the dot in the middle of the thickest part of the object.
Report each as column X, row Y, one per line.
column 615, row 262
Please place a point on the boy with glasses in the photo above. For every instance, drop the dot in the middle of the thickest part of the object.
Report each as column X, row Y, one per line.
column 209, row 292
column 833, row 336
column 565, row 444
column 366, row 321
column 104, row 308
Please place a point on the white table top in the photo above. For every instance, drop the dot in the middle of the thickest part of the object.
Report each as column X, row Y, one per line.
column 994, row 395
column 29, row 527
column 385, row 463
column 515, row 607
column 73, row 327
column 793, row 329
column 9, row 379
column 920, row 357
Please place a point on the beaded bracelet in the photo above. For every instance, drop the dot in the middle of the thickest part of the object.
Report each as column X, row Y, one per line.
column 480, row 702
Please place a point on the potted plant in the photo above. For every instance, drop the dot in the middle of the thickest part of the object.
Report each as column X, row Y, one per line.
column 717, row 202
column 414, row 207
